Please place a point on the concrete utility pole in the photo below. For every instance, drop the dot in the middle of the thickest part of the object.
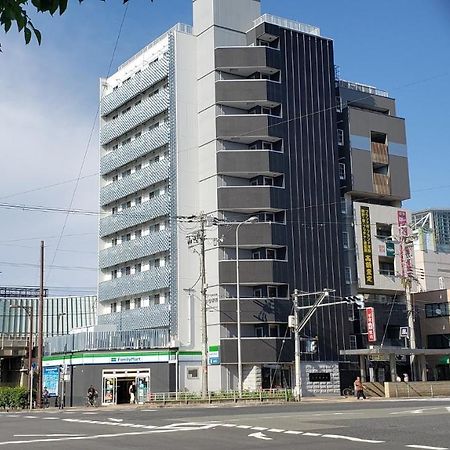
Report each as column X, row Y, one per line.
column 40, row 328
column 204, row 288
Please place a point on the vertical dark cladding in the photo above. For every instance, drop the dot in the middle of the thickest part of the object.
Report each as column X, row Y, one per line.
column 313, row 216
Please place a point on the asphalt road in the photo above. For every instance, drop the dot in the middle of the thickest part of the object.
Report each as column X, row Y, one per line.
column 383, row 424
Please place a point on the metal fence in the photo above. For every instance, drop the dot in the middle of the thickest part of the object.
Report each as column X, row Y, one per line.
column 107, row 340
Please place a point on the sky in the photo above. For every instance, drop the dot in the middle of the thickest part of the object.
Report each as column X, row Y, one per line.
column 49, row 99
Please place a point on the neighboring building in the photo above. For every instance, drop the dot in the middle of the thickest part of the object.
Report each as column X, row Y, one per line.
column 432, row 248
column 374, row 177
column 222, row 118
column 61, row 315
column 434, row 313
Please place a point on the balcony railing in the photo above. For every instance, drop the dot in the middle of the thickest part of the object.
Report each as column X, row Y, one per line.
column 135, row 249
column 286, row 23
column 136, row 85
column 135, row 182
column 107, row 340
column 363, row 88
column 141, row 146
column 148, row 108
column 151, row 280
column 381, row 184
column 156, row 207
column 380, row 153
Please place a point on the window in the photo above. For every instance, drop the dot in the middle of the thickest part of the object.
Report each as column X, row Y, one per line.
column 259, row 331
column 115, row 146
column 269, row 217
column 343, row 205
column 126, row 173
column 126, row 110
column 342, row 175
column 340, row 136
column 348, row 275
column 126, row 80
column 138, row 167
column 114, row 210
column 265, row 110
column 268, row 181
column 353, row 342
column 113, row 307
column 387, row 266
column 126, row 237
column 115, row 178
column 126, row 304
column 138, row 268
column 338, row 104
column 383, row 230
column 267, row 145
column 257, row 292
column 138, row 134
column 256, row 254
column 274, row 330
column 113, row 274
column 137, row 103
column 438, row 341
column 271, row 253
column 192, row 373
column 156, row 299
column 126, row 271
column 157, row 262
column 345, row 240
column 138, row 201
column 137, row 234
column 137, row 303
column 126, row 141
column 114, row 241
column 437, row 310
column 272, row 291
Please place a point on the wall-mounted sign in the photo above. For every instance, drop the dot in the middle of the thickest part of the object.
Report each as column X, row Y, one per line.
column 367, row 245
column 371, row 329
column 405, row 250
column 51, row 380
column 214, row 355
column 404, row 332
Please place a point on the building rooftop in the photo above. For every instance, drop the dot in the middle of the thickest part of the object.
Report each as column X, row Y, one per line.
column 287, row 23
column 363, row 88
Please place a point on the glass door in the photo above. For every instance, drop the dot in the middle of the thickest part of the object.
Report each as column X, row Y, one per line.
column 142, row 388
column 109, row 390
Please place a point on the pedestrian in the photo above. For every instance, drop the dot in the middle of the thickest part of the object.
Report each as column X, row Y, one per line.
column 92, row 395
column 132, row 392
column 359, row 388
column 406, row 378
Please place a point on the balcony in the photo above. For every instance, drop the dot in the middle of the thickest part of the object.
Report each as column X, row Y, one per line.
column 148, row 108
column 246, row 94
column 254, row 272
column 135, row 249
column 251, row 198
column 247, row 60
column 256, row 235
column 381, row 184
column 141, row 283
column 135, row 86
column 247, row 128
column 152, row 174
column 380, row 153
column 156, row 207
column 234, row 162
column 256, row 310
column 137, row 148
column 257, row 350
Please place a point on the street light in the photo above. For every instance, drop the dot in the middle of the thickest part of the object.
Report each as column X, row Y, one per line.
column 29, row 311
column 252, row 219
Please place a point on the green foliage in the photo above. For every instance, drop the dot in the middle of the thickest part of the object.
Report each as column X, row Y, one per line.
column 13, row 397
column 15, row 11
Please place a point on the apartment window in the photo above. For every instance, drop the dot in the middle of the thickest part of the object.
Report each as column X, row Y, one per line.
column 113, row 274
column 137, row 303
column 345, row 239
column 126, row 141
column 157, row 262
column 114, row 241
column 126, row 110
column 348, row 275
column 383, row 230
column 138, row 268
column 338, row 104
column 126, row 173
column 274, row 330
column 192, row 373
column 113, row 307
column 137, row 103
column 272, row 291
column 115, row 146
column 343, row 205
column 156, row 299
column 267, row 145
column 342, row 175
column 437, row 310
column 259, row 331
column 156, row 227
column 340, row 136
column 115, row 117
column 138, row 134
column 257, row 292
column 125, row 305
column 265, row 110
column 387, row 266
column 254, row 182
column 138, row 167
column 114, row 210
column 268, row 181
column 126, row 271
column 138, row 200
column 353, row 343
column 271, row 253
column 269, row 217
column 151, row 195
column 256, row 254
column 137, row 234
column 126, row 237
column 115, row 178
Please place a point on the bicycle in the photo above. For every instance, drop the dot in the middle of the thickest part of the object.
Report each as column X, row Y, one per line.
column 348, row 392
column 91, row 401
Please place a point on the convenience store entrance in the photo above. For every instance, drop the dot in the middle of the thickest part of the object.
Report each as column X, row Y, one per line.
column 116, row 385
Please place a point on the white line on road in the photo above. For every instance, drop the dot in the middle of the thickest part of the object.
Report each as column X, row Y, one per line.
column 312, row 434
column 260, row 436
column 259, row 428
column 30, row 417
column 148, row 410
column 49, row 435
column 293, row 432
column 245, row 427
column 351, row 438
column 50, row 418
column 115, row 420
column 426, row 447
column 275, row 430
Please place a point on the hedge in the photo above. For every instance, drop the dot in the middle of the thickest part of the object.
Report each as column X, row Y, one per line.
column 13, row 397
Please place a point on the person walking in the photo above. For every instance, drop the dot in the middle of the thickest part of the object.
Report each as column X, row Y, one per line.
column 359, row 388
column 132, row 392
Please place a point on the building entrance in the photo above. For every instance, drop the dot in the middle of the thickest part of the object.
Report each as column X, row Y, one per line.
column 116, row 385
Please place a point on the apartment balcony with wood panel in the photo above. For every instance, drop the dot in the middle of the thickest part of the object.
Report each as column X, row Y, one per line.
column 381, row 184
column 380, row 153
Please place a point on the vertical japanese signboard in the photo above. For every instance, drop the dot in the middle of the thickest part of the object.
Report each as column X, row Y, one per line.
column 405, row 251
column 370, row 319
column 367, row 245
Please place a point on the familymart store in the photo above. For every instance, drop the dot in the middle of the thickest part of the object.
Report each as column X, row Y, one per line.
column 112, row 373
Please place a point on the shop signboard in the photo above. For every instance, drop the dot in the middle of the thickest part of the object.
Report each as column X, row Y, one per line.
column 366, row 237
column 51, row 380
column 371, row 329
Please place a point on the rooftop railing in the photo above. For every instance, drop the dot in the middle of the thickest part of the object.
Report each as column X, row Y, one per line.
column 363, row 88
column 287, row 23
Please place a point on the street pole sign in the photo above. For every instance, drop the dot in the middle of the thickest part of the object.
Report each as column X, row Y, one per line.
column 404, row 332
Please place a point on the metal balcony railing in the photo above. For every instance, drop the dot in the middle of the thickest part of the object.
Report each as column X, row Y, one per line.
column 152, row 174
column 135, row 86
column 156, row 207
column 286, row 23
column 363, row 88
column 140, row 283
column 141, row 146
column 148, row 108
column 107, row 340
column 132, row 250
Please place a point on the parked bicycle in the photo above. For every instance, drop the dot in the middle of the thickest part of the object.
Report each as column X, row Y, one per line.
column 348, row 392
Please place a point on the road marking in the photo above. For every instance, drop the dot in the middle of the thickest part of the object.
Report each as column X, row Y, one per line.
column 115, row 420
column 447, row 408
column 148, row 410
column 49, row 435
column 426, row 447
column 12, row 415
column 312, row 434
column 30, row 417
column 275, row 430
column 89, row 414
column 260, row 436
column 293, row 432
column 229, row 425
column 259, row 428
column 50, row 418
column 416, row 411
column 351, row 438
column 245, row 427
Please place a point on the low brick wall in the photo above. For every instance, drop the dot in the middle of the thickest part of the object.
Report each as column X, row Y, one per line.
column 417, row 389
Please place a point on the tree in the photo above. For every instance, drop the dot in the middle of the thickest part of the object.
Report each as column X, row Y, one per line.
column 15, row 11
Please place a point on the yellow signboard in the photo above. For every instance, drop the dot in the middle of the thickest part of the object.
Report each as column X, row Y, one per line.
column 367, row 245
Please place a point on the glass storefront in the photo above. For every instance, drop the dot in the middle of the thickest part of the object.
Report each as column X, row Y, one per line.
column 116, row 386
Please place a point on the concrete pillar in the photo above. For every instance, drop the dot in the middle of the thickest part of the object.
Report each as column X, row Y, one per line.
column 362, row 367
column 393, row 367
column 423, row 367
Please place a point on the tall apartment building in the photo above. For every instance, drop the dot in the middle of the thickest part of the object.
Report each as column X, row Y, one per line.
column 236, row 118
column 373, row 172
column 432, row 248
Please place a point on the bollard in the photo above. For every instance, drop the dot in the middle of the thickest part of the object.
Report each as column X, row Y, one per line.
column 431, row 388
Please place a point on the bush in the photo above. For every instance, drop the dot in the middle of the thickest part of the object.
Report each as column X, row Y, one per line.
column 13, row 397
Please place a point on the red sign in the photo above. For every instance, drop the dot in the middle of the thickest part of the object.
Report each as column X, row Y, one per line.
column 405, row 251
column 371, row 330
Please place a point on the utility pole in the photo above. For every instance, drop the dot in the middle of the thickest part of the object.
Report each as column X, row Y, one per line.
column 40, row 328
column 204, row 289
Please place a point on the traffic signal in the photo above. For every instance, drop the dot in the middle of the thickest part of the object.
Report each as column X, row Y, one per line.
column 357, row 300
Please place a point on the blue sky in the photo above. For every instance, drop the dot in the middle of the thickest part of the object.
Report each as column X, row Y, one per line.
column 50, row 94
